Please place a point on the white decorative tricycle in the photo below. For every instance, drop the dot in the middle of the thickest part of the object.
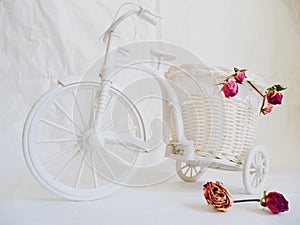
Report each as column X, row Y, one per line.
column 82, row 140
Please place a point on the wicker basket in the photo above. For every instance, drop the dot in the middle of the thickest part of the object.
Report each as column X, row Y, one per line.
column 220, row 128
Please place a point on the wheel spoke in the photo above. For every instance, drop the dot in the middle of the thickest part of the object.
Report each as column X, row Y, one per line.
column 186, row 172
column 260, row 179
column 127, row 145
column 94, row 171
column 195, row 171
column 64, row 169
column 256, row 181
column 128, row 129
column 79, row 175
column 114, row 155
column 191, row 172
column 92, row 108
column 256, row 158
column 55, row 141
column 253, row 179
column 116, row 118
column 262, row 161
column 252, row 170
column 182, row 168
column 106, row 166
column 259, row 158
column 59, row 154
column 66, row 114
column 53, row 124
column 78, row 110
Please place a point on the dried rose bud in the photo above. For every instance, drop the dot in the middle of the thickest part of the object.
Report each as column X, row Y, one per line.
column 274, row 97
column 267, row 109
column 230, row 89
column 275, row 201
column 240, row 76
column 217, row 196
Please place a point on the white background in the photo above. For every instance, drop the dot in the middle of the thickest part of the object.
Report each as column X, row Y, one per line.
column 42, row 41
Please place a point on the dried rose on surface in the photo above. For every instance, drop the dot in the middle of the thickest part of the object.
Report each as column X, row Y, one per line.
column 275, row 201
column 217, row 196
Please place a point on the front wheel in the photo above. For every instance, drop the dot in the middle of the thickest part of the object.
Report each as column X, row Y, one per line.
column 56, row 146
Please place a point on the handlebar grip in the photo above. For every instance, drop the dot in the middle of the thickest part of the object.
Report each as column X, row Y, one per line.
column 147, row 18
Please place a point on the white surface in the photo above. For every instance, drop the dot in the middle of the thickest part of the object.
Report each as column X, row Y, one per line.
column 173, row 202
column 42, row 41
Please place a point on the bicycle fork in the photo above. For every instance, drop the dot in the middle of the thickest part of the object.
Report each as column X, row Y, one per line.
column 106, row 72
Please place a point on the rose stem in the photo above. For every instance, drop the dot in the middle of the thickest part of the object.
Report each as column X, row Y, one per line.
column 263, row 104
column 258, row 91
column 247, row 200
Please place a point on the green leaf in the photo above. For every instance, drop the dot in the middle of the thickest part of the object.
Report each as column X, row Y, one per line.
column 279, row 87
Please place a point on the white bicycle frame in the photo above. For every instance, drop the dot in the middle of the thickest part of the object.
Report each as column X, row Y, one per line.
column 108, row 70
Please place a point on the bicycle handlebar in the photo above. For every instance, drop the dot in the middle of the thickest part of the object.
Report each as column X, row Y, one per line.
column 147, row 16
column 144, row 14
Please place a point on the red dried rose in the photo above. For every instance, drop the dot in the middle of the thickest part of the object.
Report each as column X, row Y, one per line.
column 274, row 97
column 275, row 201
column 217, row 196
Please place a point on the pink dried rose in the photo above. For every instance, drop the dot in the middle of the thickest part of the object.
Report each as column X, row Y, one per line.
column 274, row 95
column 217, row 196
column 267, row 109
column 230, row 89
column 240, row 76
column 275, row 201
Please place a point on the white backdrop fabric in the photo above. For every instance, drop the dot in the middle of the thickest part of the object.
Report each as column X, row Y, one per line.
column 43, row 41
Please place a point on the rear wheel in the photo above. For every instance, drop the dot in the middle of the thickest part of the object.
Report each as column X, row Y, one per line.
column 188, row 171
column 256, row 170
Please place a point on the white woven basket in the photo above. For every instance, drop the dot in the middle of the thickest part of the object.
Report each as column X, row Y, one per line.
column 220, row 128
